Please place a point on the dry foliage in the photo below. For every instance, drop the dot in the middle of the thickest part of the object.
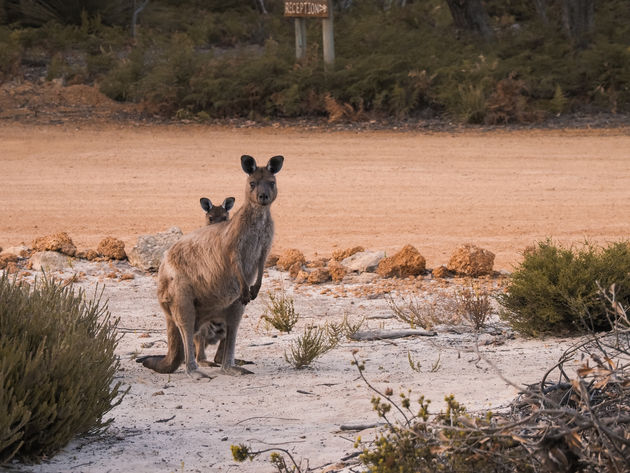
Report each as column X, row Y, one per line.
column 472, row 302
column 313, row 343
column 341, row 111
column 280, row 312
column 565, row 423
column 424, row 314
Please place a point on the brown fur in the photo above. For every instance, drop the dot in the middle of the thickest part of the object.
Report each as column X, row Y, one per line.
column 209, row 275
column 212, row 332
column 216, row 213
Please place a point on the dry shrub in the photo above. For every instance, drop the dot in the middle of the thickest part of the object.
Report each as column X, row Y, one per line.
column 578, row 423
column 313, row 343
column 342, row 111
column 472, row 302
column 280, row 312
column 508, row 103
column 424, row 314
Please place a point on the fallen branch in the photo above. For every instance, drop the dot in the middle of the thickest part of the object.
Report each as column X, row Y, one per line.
column 384, row 334
column 358, row 427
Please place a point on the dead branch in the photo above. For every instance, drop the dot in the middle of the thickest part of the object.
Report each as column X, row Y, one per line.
column 384, row 334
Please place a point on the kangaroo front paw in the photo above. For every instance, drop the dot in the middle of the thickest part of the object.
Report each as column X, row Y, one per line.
column 253, row 291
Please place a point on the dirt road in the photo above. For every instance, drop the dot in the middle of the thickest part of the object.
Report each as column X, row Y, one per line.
column 499, row 190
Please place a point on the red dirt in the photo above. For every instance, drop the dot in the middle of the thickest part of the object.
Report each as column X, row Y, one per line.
column 382, row 190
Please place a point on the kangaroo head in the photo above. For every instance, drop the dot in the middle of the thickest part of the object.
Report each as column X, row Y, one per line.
column 216, row 214
column 261, row 181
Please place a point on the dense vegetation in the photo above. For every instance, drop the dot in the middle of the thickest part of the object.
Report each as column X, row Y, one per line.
column 202, row 59
column 555, row 289
column 57, row 367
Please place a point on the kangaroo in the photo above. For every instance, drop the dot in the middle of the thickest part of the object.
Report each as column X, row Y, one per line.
column 209, row 275
column 211, row 333
column 216, row 214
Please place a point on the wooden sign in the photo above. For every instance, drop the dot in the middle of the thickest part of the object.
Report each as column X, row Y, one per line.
column 306, row 8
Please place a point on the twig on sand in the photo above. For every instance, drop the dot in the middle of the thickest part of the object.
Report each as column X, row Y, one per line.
column 384, row 334
column 358, row 427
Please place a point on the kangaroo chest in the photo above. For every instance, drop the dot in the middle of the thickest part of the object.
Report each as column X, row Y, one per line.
column 253, row 245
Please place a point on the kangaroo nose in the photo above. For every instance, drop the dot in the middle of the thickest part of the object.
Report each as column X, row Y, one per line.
column 263, row 196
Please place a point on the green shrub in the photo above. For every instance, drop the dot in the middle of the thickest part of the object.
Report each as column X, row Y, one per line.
column 313, row 343
column 10, row 54
column 57, row 367
column 280, row 312
column 554, row 289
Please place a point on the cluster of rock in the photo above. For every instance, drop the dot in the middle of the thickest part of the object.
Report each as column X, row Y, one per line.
column 51, row 253
column 467, row 260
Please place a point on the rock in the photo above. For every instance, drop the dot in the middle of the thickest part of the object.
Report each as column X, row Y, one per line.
column 340, row 255
column 470, row 260
column 49, row 261
column 337, row 270
column 290, row 258
column 363, row 261
column 407, row 262
column 6, row 259
column 365, row 278
column 295, row 269
column 59, row 242
column 20, row 250
column 440, row 272
column 112, row 248
column 319, row 276
column 91, row 255
column 149, row 250
column 317, row 263
column 272, row 260
column 301, row 276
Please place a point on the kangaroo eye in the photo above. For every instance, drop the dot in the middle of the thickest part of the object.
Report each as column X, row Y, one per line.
column 252, row 185
column 272, row 184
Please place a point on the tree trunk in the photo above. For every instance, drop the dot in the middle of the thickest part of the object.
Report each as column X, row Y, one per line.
column 578, row 16
column 541, row 9
column 469, row 15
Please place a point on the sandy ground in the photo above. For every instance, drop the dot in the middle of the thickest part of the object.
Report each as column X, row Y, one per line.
column 500, row 190
column 382, row 190
column 171, row 423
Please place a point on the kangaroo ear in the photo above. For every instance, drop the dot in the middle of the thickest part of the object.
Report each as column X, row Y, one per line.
column 275, row 164
column 228, row 203
column 248, row 164
column 206, row 205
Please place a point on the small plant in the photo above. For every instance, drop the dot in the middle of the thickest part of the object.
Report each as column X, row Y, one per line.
column 473, row 304
column 241, row 452
column 345, row 328
column 415, row 365
column 280, row 312
column 313, row 343
column 58, row 367
column 350, row 328
column 422, row 314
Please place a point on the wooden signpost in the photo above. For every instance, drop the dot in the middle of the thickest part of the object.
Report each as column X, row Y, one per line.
column 300, row 10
